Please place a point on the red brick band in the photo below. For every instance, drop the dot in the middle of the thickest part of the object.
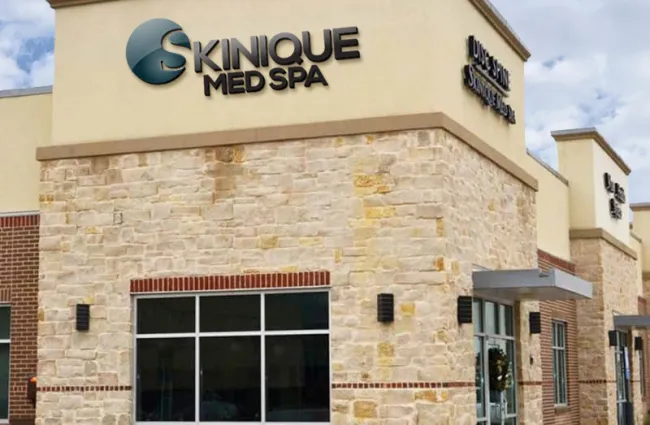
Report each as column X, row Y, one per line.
column 225, row 283
column 84, row 388
column 20, row 221
column 546, row 261
column 401, row 385
column 597, row 381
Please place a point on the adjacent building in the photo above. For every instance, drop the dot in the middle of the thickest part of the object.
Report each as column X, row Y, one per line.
column 280, row 212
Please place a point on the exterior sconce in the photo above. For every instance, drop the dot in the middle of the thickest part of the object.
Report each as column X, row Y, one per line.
column 638, row 343
column 535, row 322
column 31, row 390
column 464, row 309
column 612, row 338
column 83, row 317
column 385, row 308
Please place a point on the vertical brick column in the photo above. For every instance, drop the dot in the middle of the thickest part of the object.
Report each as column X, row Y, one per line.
column 566, row 312
column 612, row 270
column 19, row 287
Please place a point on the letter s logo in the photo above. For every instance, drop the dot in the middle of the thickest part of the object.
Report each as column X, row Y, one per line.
column 145, row 54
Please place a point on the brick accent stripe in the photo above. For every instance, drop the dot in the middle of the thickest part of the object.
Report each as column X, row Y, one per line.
column 531, row 383
column 598, row 381
column 84, row 388
column 20, row 221
column 401, row 385
column 225, row 283
column 547, row 261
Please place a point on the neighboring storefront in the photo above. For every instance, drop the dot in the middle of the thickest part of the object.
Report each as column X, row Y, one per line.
column 325, row 226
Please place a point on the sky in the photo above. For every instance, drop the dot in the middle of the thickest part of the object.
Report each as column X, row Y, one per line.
column 589, row 67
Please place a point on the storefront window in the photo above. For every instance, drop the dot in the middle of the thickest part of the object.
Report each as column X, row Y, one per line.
column 260, row 358
column 559, row 363
column 5, row 336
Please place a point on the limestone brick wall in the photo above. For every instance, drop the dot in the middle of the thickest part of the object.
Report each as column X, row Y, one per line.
column 613, row 274
column 619, row 283
column 406, row 213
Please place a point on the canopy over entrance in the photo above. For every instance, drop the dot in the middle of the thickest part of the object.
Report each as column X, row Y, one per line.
column 632, row 321
column 530, row 285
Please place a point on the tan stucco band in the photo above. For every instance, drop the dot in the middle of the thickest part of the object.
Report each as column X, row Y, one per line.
column 637, row 237
column 591, row 133
column 483, row 6
column 598, row 233
column 65, row 3
column 550, row 169
column 640, row 207
column 289, row 132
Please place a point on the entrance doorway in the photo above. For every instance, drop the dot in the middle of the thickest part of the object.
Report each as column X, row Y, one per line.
column 622, row 365
column 494, row 347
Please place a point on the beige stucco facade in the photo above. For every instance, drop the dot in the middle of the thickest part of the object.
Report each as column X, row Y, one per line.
column 394, row 178
column 26, row 122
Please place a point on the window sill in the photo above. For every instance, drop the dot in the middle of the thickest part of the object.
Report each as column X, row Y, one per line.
column 563, row 408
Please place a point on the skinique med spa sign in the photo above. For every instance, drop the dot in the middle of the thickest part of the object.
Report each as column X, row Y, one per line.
column 487, row 78
column 146, row 56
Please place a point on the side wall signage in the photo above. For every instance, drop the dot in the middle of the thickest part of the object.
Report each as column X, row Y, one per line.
column 486, row 77
column 284, row 53
column 617, row 199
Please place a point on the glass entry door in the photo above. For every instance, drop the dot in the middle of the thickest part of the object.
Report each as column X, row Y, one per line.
column 494, row 348
column 622, row 365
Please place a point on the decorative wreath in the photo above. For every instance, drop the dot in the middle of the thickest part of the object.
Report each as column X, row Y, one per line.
column 499, row 365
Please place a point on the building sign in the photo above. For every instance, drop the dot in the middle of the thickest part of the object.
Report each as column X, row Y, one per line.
column 146, row 56
column 487, row 78
column 617, row 198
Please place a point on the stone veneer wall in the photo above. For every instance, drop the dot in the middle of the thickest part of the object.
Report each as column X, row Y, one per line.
column 408, row 213
column 613, row 274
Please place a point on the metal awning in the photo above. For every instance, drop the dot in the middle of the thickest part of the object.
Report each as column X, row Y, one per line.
column 530, row 285
column 633, row 321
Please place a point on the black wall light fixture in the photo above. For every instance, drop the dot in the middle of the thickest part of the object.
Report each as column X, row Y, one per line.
column 638, row 343
column 464, row 309
column 83, row 317
column 535, row 322
column 612, row 338
column 385, row 308
column 31, row 390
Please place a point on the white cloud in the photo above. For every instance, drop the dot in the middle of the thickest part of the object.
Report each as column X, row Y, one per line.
column 590, row 67
column 42, row 71
column 23, row 22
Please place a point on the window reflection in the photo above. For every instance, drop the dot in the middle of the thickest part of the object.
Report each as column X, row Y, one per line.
column 297, row 378
column 165, row 379
column 230, row 379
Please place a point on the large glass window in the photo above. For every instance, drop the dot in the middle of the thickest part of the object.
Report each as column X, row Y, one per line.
column 253, row 358
column 559, row 362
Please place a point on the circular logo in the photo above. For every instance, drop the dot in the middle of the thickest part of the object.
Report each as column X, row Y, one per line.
column 145, row 54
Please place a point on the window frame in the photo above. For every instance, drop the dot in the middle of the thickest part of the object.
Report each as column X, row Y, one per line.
column 558, row 349
column 642, row 373
column 7, row 342
column 196, row 335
